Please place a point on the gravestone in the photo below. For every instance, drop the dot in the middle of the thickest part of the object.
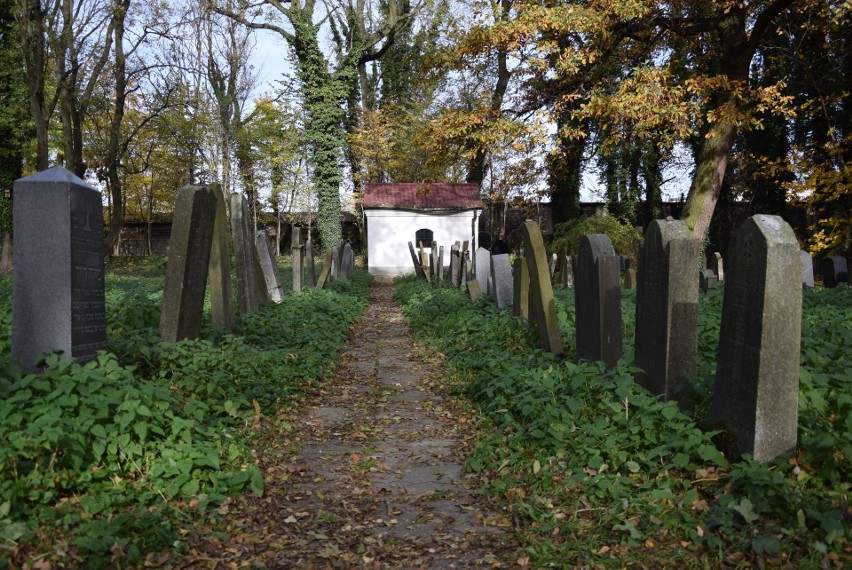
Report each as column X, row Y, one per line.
column 628, row 278
column 474, row 289
column 624, row 263
column 433, row 260
column 310, row 266
column 666, row 344
column 440, row 267
column 325, row 272
column 542, row 303
column 464, row 268
column 706, row 280
column 188, row 264
column 219, row 273
column 807, row 269
column 251, row 286
column 347, row 261
column 757, row 366
column 417, row 269
column 297, row 255
column 501, row 277
column 715, row 264
column 58, row 274
column 567, row 271
column 834, row 270
column 269, row 267
column 597, row 300
column 482, row 267
column 521, row 289
column 455, row 265
column 425, row 263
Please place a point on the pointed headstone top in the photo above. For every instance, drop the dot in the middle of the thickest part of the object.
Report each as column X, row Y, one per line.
column 55, row 174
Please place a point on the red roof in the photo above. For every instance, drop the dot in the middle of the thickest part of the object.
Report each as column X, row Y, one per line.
column 418, row 196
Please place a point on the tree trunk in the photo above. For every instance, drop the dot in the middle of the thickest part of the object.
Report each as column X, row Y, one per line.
column 32, row 26
column 115, row 152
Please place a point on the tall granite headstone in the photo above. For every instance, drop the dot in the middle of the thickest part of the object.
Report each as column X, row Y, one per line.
column 834, row 270
column 58, row 275
column 251, row 286
column 521, row 289
column 757, row 366
column 666, row 345
column 807, row 269
column 219, row 273
column 501, row 278
column 543, row 305
column 597, row 300
column 188, row 264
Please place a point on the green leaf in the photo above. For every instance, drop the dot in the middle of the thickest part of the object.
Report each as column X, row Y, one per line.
column 632, row 466
column 746, row 510
column 256, row 484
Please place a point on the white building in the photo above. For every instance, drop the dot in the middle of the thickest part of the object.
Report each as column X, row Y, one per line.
column 400, row 213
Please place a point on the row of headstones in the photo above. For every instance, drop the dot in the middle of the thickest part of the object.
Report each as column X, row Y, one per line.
column 58, row 282
column 756, row 390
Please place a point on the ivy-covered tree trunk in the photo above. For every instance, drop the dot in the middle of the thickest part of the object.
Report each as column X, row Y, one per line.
column 563, row 172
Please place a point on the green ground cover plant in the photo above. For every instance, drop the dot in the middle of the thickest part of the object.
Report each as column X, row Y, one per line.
column 111, row 462
column 596, row 471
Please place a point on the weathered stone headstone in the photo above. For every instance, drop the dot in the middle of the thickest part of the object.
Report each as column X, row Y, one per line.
column 335, row 264
column 58, row 274
column 474, row 289
column 501, row 276
column 624, row 262
column 433, row 261
column 455, row 266
column 297, row 254
column 310, row 266
column 567, row 271
column 542, row 303
column 347, row 260
column 482, row 267
column 757, row 366
column 597, row 299
column 667, row 309
column 807, row 269
column 188, row 263
column 425, row 263
column 219, row 273
column 706, row 280
column 521, row 302
column 417, row 268
column 325, row 272
column 464, row 268
column 269, row 267
column 715, row 264
column 251, row 286
column 834, row 270
column 440, row 267
column 628, row 279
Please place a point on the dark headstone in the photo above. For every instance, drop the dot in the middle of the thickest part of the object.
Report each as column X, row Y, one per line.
column 58, row 275
column 834, row 270
column 521, row 289
column 251, row 286
column 757, row 366
column 219, row 274
column 188, row 264
column 347, row 260
column 501, row 276
column 667, row 309
column 597, row 299
column 807, row 269
column 628, row 279
column 706, row 280
column 543, row 305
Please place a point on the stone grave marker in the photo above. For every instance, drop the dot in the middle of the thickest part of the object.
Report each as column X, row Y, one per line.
column 58, row 274
column 567, row 271
column 834, row 270
column 269, row 267
column 707, row 280
column 417, row 269
column 474, row 289
column 219, row 273
column 464, row 268
column 433, row 260
column 482, row 267
column 455, row 266
column 188, row 264
column 310, row 266
column 597, row 300
column 426, row 264
column 251, row 286
column 666, row 344
column 757, row 366
column 325, row 272
column 715, row 264
column 502, row 280
column 629, row 278
column 542, row 304
column 521, row 289
column 440, row 267
column 807, row 269
column 347, row 260
column 297, row 254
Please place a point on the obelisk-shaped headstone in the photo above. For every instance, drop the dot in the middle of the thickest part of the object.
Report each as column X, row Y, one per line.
column 667, row 309
column 58, row 275
column 541, row 290
column 251, row 288
column 219, row 274
column 188, row 264
column 597, row 301
column 757, row 366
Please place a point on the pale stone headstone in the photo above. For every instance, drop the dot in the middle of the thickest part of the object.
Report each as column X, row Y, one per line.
column 834, row 270
column 310, row 267
column 567, row 271
column 757, row 366
column 269, row 267
column 417, row 268
column 464, row 267
column 597, row 300
column 58, row 274
column 219, row 273
column 440, row 267
column 474, row 289
column 251, row 286
column 501, row 275
column 426, row 264
column 482, row 266
column 335, row 264
column 542, row 303
column 188, row 264
column 807, row 269
column 433, row 260
column 297, row 253
column 455, row 266
column 325, row 272
column 666, row 345
column 521, row 302
column 715, row 264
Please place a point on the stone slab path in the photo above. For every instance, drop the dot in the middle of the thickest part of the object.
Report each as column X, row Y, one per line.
column 370, row 475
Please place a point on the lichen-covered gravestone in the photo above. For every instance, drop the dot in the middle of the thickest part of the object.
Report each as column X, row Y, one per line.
column 667, row 309
column 757, row 366
column 219, row 273
column 325, row 272
column 597, row 301
column 542, row 303
column 188, row 264
column 474, row 289
column 58, row 280
column 251, row 286
column 455, row 265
